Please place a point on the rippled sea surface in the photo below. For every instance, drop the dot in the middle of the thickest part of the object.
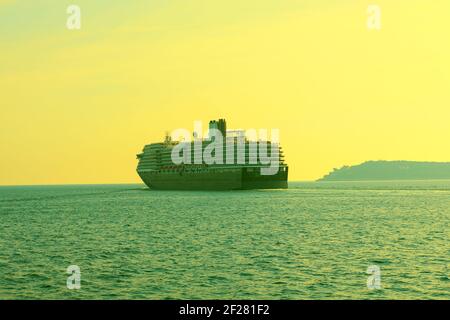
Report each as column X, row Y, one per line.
column 312, row 241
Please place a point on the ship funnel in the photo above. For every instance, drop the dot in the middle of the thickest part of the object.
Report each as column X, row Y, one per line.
column 220, row 125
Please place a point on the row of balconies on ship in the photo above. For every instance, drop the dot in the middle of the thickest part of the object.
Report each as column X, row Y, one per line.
column 168, row 153
column 193, row 168
column 199, row 155
column 204, row 144
column 157, row 165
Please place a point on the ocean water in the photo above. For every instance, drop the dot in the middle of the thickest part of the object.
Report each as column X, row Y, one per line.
column 312, row 241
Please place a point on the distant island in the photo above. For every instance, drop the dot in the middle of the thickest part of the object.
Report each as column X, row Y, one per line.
column 390, row 170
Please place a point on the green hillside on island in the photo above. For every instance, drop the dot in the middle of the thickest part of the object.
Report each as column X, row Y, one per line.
column 390, row 170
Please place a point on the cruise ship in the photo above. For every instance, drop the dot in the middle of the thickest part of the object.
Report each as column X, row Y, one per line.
column 225, row 160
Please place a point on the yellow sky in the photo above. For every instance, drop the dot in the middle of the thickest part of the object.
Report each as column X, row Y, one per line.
column 76, row 106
